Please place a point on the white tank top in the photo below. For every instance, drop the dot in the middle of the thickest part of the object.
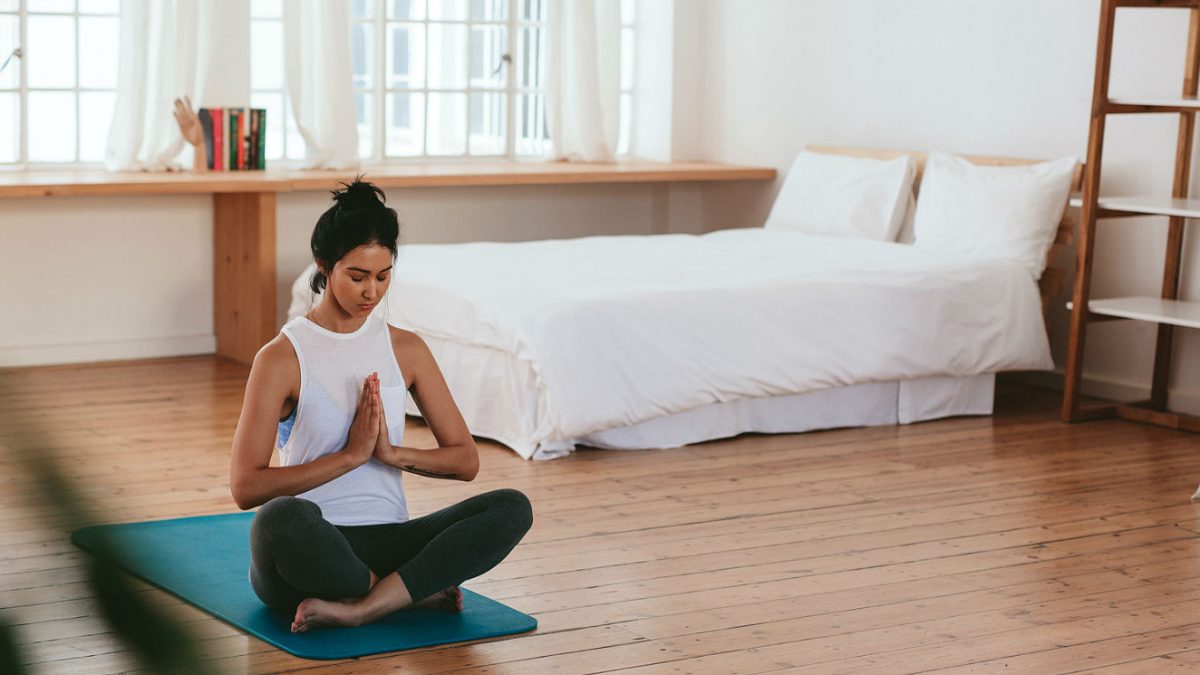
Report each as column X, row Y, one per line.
column 333, row 367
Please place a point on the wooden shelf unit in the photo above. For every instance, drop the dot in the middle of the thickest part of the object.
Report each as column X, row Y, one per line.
column 1166, row 310
column 244, row 205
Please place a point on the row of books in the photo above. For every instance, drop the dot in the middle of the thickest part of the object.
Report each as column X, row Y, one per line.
column 235, row 139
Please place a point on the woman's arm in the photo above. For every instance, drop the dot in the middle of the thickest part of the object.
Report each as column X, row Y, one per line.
column 456, row 456
column 252, row 480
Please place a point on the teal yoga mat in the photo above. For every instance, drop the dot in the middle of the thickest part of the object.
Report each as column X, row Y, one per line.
column 205, row 560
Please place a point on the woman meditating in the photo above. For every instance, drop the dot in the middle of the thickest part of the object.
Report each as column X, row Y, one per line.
column 333, row 543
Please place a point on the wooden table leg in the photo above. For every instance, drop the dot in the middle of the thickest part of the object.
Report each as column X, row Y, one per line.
column 243, row 273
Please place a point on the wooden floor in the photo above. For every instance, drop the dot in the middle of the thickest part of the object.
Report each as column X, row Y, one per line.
column 1011, row 543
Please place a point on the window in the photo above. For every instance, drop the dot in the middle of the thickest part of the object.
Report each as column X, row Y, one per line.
column 459, row 78
column 432, row 78
column 57, row 98
column 267, row 88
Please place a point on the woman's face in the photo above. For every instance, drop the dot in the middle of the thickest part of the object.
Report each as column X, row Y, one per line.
column 359, row 280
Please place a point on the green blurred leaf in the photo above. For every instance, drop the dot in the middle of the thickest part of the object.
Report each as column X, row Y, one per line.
column 10, row 652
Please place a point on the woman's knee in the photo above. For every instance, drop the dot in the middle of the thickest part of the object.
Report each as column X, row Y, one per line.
column 517, row 509
column 283, row 514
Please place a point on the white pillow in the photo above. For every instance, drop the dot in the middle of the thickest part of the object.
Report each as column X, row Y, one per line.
column 996, row 211
column 844, row 196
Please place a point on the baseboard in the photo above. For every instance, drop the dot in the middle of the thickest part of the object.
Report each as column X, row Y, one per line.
column 1186, row 401
column 113, row 350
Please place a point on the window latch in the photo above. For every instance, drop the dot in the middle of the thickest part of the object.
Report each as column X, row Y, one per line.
column 507, row 58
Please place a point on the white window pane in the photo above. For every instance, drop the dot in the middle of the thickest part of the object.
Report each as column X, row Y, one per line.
column 488, row 46
column 447, row 56
column 98, row 52
column 51, row 53
column 447, row 133
column 95, row 117
column 627, row 59
column 531, row 66
column 626, row 121
column 51, row 5
column 362, row 53
column 266, row 55
column 10, row 126
column 291, row 136
column 361, row 9
column 273, row 104
column 628, row 11
column 405, row 125
column 364, row 104
column 487, row 124
column 533, row 10
column 406, row 55
column 447, row 10
column 8, row 42
column 51, row 126
column 406, row 9
column 8, row 5
column 266, row 9
column 532, row 136
column 489, row 10
column 100, row 6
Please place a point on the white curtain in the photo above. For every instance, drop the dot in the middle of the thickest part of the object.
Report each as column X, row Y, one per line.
column 583, row 86
column 170, row 49
column 320, row 80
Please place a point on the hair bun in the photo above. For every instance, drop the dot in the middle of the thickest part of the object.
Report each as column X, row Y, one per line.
column 359, row 194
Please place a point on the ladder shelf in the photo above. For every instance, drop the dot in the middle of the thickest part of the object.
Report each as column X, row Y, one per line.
column 1166, row 310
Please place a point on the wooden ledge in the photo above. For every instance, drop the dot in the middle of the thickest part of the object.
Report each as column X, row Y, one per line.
column 38, row 183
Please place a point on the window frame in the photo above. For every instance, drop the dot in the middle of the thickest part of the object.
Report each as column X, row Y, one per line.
column 23, row 89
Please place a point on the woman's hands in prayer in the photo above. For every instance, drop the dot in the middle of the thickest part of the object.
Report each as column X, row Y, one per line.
column 383, row 447
column 364, row 431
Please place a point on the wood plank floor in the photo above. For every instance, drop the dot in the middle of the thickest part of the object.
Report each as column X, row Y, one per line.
column 1011, row 543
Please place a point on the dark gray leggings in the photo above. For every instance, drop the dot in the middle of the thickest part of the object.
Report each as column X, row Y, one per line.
column 296, row 554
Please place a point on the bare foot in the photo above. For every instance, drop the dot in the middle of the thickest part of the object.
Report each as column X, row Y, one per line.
column 450, row 599
column 315, row 612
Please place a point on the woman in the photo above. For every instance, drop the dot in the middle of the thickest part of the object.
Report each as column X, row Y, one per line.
column 333, row 543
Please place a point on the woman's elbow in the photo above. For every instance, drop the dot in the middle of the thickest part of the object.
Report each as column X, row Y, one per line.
column 242, row 497
column 470, row 466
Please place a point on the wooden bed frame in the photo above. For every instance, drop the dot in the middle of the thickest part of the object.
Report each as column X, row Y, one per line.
column 1052, row 279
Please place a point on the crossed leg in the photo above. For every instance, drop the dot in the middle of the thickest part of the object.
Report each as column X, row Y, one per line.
column 296, row 554
column 431, row 556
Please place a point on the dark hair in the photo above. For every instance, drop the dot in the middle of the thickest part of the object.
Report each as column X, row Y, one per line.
column 359, row 217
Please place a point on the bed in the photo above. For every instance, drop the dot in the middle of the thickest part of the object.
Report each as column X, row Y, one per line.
column 630, row 342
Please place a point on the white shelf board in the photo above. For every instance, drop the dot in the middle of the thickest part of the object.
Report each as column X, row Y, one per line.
column 1152, row 206
column 1168, row 101
column 1157, row 310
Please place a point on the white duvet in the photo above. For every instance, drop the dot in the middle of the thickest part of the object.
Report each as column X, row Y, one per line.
column 619, row 330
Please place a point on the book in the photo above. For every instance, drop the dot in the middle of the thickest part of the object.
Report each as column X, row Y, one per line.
column 234, row 138
column 218, row 134
column 243, row 131
column 262, row 139
column 206, row 124
column 251, row 155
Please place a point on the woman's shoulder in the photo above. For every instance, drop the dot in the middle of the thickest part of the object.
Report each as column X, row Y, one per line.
column 404, row 338
column 411, row 352
column 277, row 353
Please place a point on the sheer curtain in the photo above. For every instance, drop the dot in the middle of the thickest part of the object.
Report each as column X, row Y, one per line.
column 583, row 85
column 316, row 44
column 170, row 49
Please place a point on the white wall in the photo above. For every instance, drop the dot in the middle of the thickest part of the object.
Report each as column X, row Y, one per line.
column 105, row 278
column 1009, row 78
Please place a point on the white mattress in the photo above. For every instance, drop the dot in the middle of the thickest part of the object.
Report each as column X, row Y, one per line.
column 628, row 341
column 497, row 395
